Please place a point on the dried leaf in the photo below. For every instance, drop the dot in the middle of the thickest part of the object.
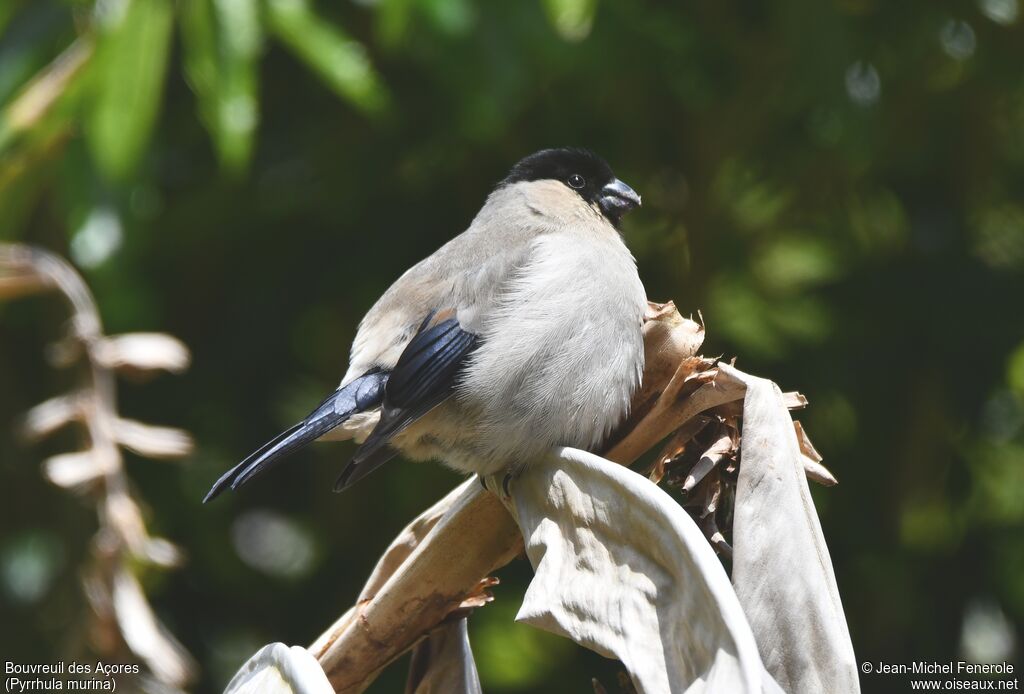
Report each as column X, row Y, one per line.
column 70, row 470
column 794, row 400
column 677, row 404
column 104, row 635
column 443, row 663
column 152, row 441
column 47, row 417
column 816, row 472
column 15, row 283
column 64, row 352
column 668, row 340
column 781, row 566
column 804, row 441
column 123, row 517
column 813, row 468
column 677, row 445
column 714, row 536
column 44, row 92
column 719, row 449
column 278, row 669
column 145, row 635
column 121, row 615
column 142, row 352
column 480, row 596
column 162, row 552
column 411, row 592
column 712, row 497
column 623, row 570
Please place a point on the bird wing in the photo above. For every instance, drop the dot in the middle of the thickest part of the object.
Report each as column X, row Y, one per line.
column 423, row 377
column 365, row 392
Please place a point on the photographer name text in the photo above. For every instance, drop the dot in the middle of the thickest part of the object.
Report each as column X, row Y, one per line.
column 926, row 667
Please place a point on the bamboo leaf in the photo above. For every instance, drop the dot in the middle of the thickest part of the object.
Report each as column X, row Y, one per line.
column 222, row 40
column 341, row 61
column 51, row 88
column 200, row 61
column 131, row 61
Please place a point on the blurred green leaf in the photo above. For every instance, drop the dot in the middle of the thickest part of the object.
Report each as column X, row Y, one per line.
column 929, row 525
column 999, row 482
column 510, row 655
column 128, row 79
column 1015, row 370
column 998, row 235
column 222, row 41
column 792, row 263
column 740, row 313
column 199, row 42
column 878, row 221
column 802, row 318
column 21, row 181
column 753, row 200
column 340, row 61
column 7, row 11
column 201, row 63
column 572, row 19
column 393, row 18
column 454, row 17
column 34, row 129
column 53, row 90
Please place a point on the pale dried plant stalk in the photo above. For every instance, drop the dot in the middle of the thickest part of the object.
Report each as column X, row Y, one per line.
column 446, row 554
column 122, row 617
column 45, row 90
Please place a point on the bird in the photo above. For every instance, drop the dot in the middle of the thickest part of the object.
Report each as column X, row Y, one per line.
column 521, row 334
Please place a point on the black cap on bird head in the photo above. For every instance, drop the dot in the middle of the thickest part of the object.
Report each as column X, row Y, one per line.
column 582, row 171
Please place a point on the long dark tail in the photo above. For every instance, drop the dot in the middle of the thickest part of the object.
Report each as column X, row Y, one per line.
column 364, row 393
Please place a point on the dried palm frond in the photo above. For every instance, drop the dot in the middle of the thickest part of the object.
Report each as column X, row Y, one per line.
column 694, row 402
column 121, row 616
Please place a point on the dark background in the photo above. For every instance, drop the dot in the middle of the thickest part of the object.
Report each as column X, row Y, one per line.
column 836, row 186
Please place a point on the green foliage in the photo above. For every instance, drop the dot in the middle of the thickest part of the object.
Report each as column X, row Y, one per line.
column 571, row 18
column 341, row 62
column 836, row 186
column 127, row 76
column 222, row 40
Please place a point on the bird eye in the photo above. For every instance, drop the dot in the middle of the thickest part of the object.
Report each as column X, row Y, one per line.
column 576, row 181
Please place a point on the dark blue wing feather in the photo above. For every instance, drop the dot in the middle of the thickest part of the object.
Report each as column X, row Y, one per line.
column 423, row 378
column 364, row 393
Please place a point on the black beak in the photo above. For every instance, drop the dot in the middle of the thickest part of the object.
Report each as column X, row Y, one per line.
column 617, row 199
